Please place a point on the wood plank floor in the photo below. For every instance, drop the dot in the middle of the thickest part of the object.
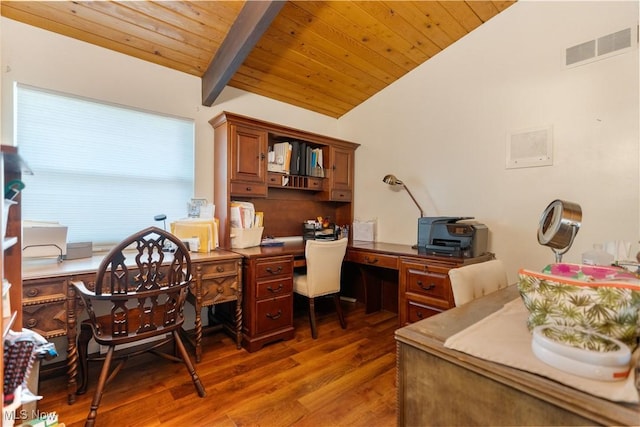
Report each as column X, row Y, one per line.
column 344, row 378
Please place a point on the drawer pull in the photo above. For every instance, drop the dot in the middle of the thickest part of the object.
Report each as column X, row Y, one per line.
column 275, row 316
column 278, row 289
column 248, row 189
column 426, row 288
column 32, row 323
column 32, row 292
column 219, row 269
column 370, row 260
column 270, row 270
column 419, row 314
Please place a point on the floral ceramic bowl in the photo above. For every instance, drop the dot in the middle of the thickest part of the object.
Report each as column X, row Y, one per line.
column 605, row 300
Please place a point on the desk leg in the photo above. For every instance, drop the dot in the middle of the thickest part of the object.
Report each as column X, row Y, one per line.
column 372, row 290
column 198, row 317
column 72, row 349
column 239, row 308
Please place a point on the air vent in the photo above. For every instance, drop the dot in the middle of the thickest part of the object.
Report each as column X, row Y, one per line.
column 615, row 41
column 601, row 48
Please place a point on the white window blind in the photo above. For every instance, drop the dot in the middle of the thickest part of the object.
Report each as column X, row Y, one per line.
column 102, row 170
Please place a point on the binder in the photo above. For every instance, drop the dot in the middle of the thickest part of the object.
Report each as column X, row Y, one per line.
column 303, row 158
column 295, row 158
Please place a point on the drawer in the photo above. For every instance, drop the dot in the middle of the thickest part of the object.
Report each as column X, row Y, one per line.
column 43, row 290
column 417, row 312
column 274, row 267
column 274, row 179
column 428, row 281
column 248, row 189
column 314, row 183
column 88, row 279
column 274, row 288
column 341, row 195
column 273, row 314
column 372, row 258
column 216, row 290
column 49, row 320
column 216, row 269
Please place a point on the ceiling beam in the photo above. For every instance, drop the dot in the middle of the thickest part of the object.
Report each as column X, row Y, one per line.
column 252, row 21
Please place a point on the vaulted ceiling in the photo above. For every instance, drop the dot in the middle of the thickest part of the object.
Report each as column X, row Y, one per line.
column 325, row 56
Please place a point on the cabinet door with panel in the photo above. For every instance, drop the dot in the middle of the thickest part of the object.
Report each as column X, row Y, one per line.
column 340, row 182
column 248, row 161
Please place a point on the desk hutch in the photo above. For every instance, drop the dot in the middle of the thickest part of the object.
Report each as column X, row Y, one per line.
column 241, row 146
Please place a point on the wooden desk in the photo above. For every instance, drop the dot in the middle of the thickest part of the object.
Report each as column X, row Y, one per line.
column 396, row 277
column 49, row 300
column 440, row 386
column 421, row 281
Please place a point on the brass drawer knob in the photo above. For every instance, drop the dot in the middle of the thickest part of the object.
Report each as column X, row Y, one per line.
column 32, row 323
column 32, row 292
column 220, row 269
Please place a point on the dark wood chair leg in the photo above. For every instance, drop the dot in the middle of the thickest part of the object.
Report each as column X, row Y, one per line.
column 312, row 318
column 336, row 300
column 192, row 371
column 83, row 349
column 93, row 411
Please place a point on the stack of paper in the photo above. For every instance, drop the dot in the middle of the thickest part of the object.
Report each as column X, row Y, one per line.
column 279, row 159
column 244, row 215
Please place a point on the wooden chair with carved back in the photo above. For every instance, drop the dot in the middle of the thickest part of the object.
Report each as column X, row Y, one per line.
column 144, row 291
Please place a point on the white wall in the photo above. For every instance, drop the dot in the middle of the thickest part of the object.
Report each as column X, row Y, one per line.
column 442, row 129
column 47, row 60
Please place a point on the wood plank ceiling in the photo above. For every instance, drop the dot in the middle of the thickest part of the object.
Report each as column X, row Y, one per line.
column 325, row 56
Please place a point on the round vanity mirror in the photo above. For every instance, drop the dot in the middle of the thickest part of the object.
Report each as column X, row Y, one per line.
column 559, row 225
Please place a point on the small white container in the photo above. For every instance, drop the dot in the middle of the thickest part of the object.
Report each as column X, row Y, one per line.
column 246, row 237
column 597, row 256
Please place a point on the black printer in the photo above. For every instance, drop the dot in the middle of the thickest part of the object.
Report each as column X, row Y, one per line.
column 444, row 235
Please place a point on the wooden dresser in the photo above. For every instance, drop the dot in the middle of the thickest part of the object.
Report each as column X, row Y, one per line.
column 268, row 293
column 438, row 386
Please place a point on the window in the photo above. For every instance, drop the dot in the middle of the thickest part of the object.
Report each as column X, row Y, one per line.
column 102, row 170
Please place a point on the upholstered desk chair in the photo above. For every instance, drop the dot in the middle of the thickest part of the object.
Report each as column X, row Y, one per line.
column 475, row 280
column 144, row 299
column 324, row 267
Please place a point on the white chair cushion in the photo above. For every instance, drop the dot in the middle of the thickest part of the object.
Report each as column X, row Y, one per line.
column 476, row 280
column 324, row 265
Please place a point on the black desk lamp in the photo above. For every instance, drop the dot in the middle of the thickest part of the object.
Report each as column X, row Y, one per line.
column 392, row 180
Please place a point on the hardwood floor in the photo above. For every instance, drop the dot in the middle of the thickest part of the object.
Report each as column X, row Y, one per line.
column 344, row 378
